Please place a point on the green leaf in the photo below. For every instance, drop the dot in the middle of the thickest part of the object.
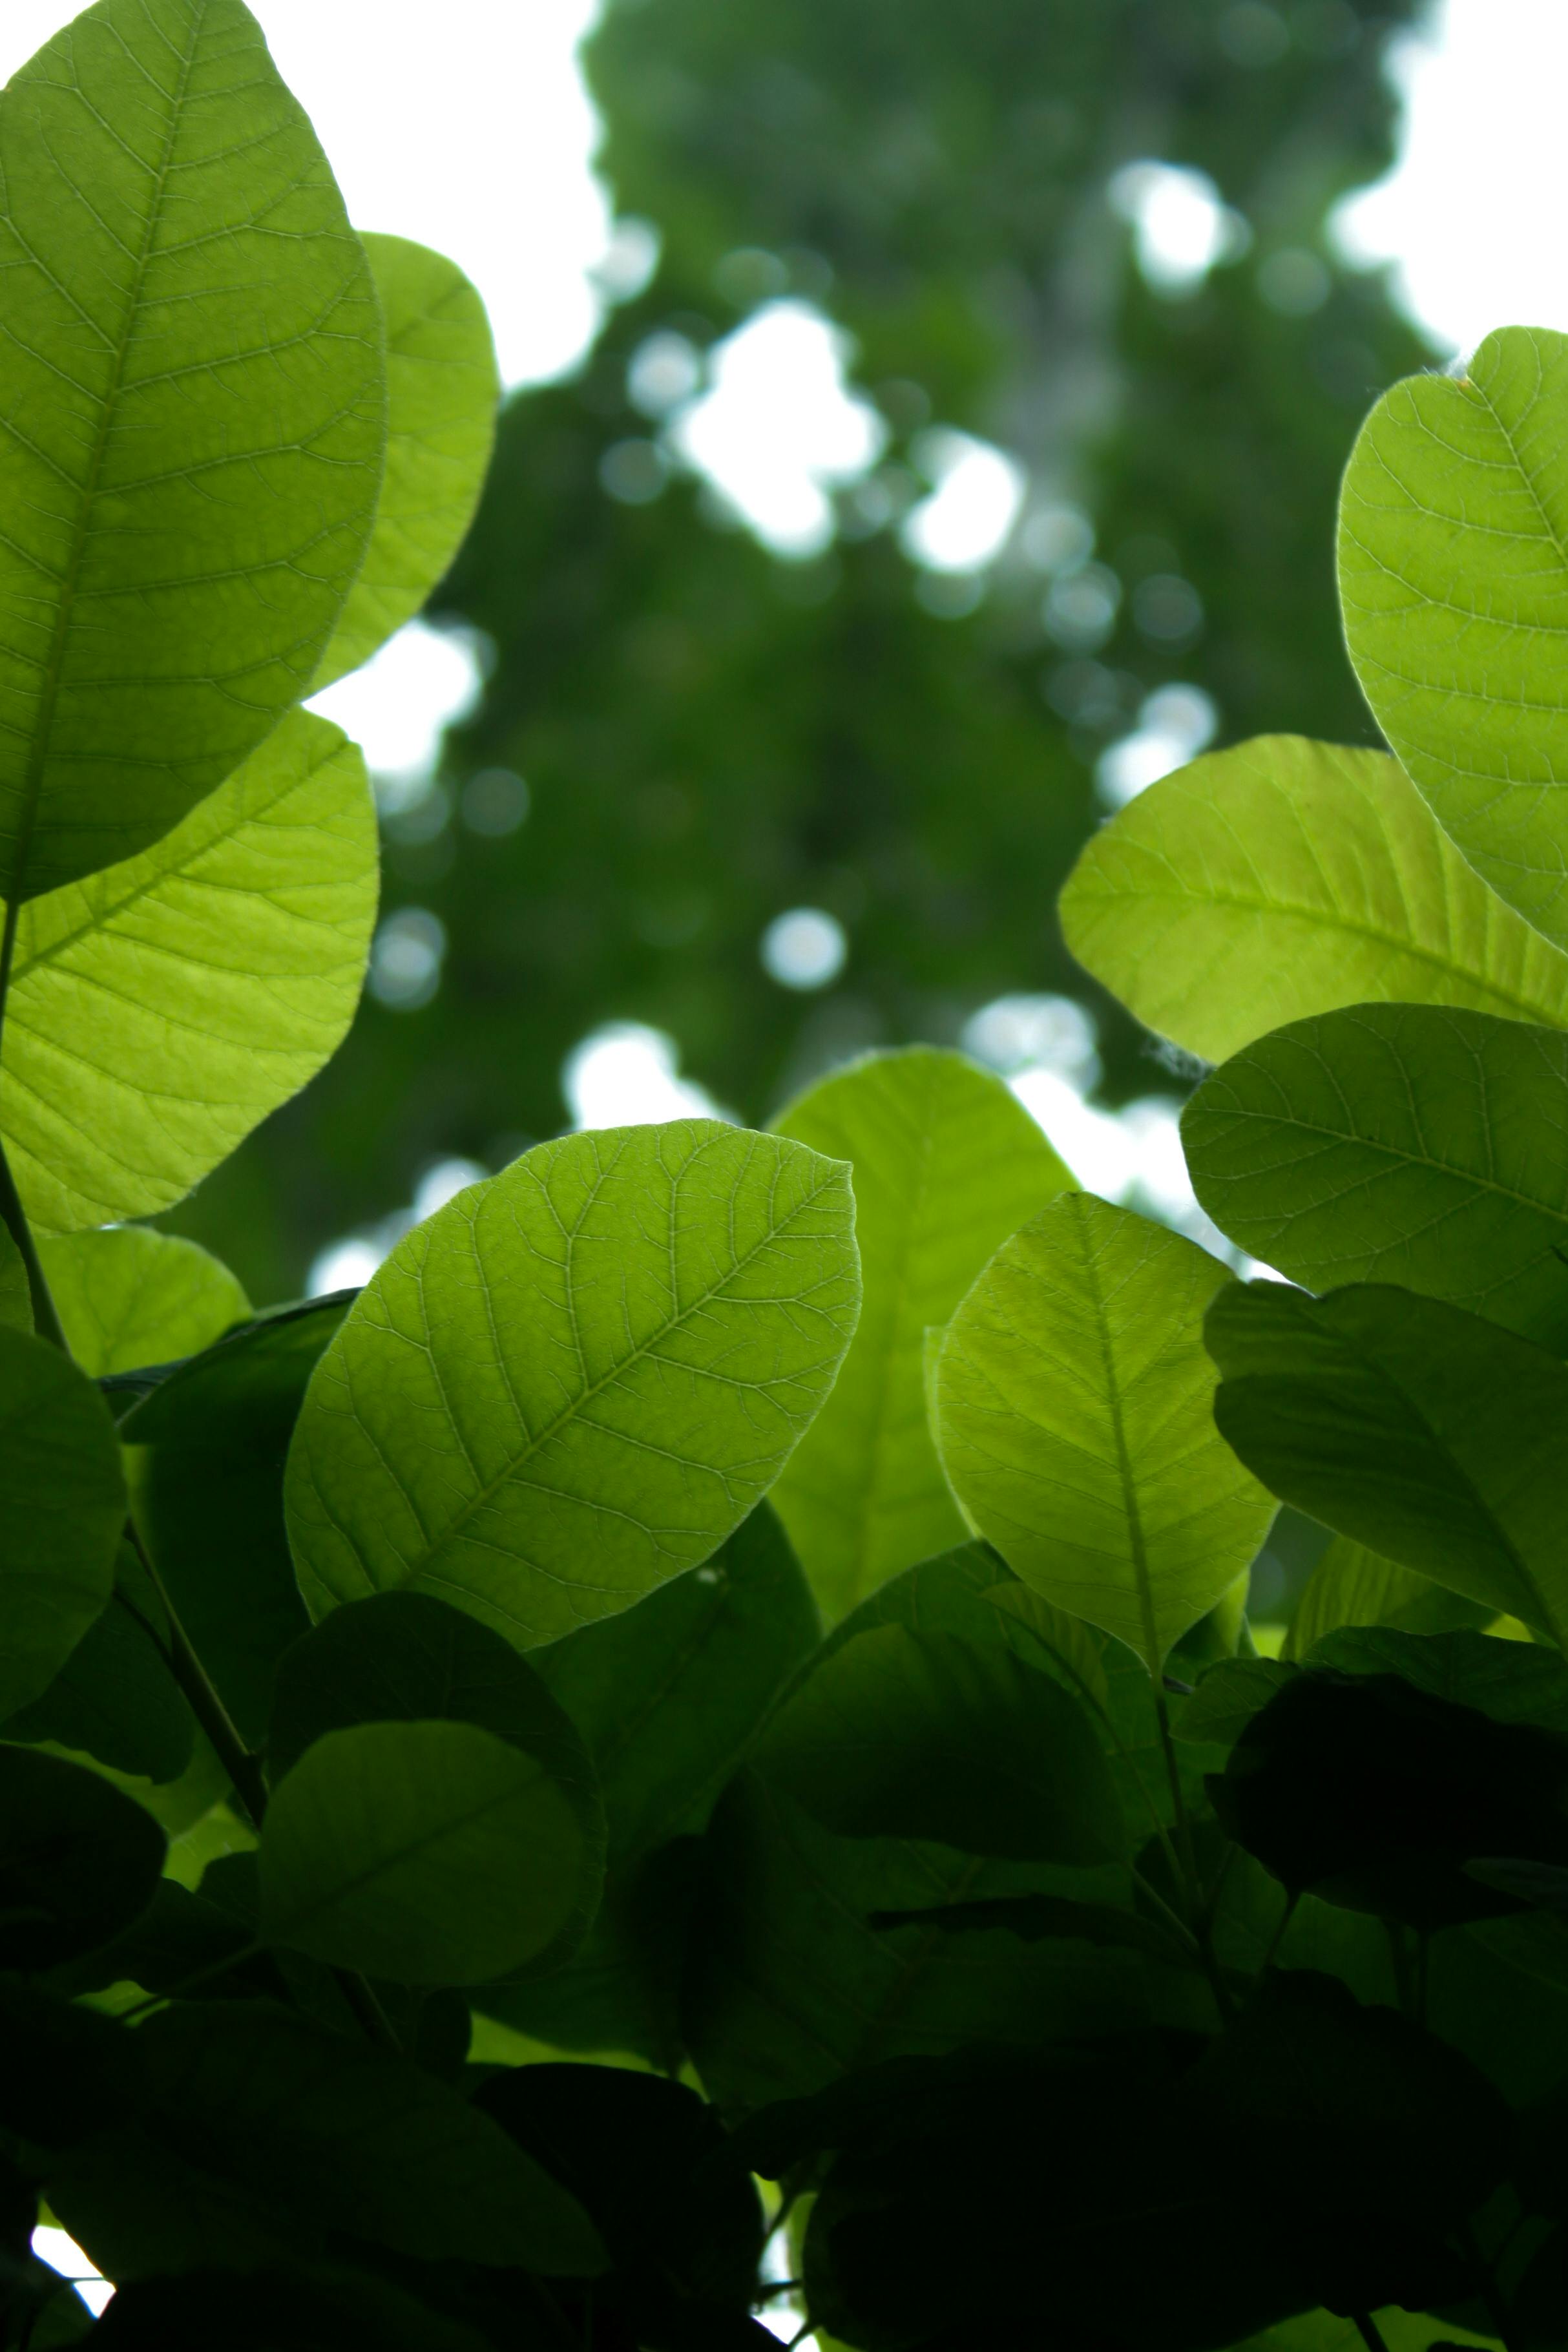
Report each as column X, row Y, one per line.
column 946, row 1164
column 899, row 1734
column 1398, row 1143
column 79, row 1861
column 16, row 1291
column 1231, row 1693
column 577, row 1379
column 1432, row 1437
column 128, row 1297
column 1512, row 1682
column 1073, row 1414
column 429, row 1852
column 668, row 1697
column 62, row 1510
column 114, row 1699
column 442, row 390
column 1038, row 1918
column 191, row 474
column 1284, row 879
column 1352, row 1586
column 1453, row 564
column 205, row 1455
column 404, row 1657
column 294, row 2131
column 160, row 1010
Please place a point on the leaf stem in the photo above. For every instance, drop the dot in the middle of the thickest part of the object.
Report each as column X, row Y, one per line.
column 46, row 1318
column 1192, row 1883
column 369, row 2014
column 242, row 1765
column 1366, row 2328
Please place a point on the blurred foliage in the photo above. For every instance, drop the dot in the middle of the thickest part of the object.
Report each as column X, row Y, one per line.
column 711, row 735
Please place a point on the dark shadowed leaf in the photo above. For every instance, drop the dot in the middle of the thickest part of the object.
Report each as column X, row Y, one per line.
column 114, row 1698
column 1352, row 1586
column 79, row 1861
column 62, row 1510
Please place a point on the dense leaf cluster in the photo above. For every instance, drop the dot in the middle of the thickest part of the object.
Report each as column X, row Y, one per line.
column 698, row 1741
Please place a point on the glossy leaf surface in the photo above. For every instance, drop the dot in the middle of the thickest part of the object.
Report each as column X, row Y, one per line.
column 1454, row 580
column 193, row 476
column 1284, row 879
column 1398, row 1143
column 1431, row 1436
column 1074, row 1413
column 62, row 1510
column 159, row 1010
column 945, row 1165
column 430, row 1853
column 576, row 1379
column 441, row 390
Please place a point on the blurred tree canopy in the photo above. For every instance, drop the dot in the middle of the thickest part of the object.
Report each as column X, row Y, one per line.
column 712, row 734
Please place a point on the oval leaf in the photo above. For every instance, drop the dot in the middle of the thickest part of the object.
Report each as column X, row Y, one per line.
column 442, row 389
column 128, row 1298
column 1453, row 569
column 578, row 1378
column 62, row 1510
column 191, row 472
column 946, row 1164
column 159, row 1011
column 1073, row 1400
column 428, row 1853
column 1398, row 1143
column 1284, row 879
column 1351, row 1586
column 1429, row 1435
column 79, row 1861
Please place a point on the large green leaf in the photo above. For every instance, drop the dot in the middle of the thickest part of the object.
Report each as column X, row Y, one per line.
column 1453, row 569
column 62, row 1510
column 194, row 403
column 128, row 1296
column 429, row 1852
column 159, row 1010
column 442, row 390
column 1398, row 1143
column 114, row 1699
column 1283, row 878
column 79, row 1861
column 900, row 1734
column 1425, row 1432
column 1351, row 1586
column 205, row 1455
column 578, row 1378
column 1073, row 1402
column 946, row 1164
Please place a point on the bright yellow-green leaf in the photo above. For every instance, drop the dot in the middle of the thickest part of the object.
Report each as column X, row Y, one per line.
column 441, row 390
column 62, row 1510
column 577, row 1379
column 192, row 425
column 946, row 1164
column 1284, row 879
column 128, row 1297
column 1074, row 1403
column 158, row 1010
column 1453, row 569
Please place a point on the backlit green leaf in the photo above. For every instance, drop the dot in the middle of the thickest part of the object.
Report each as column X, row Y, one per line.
column 573, row 1382
column 1284, row 879
column 1453, row 569
column 62, row 1509
column 1427, row 1433
column 192, row 465
column 442, row 390
column 205, row 1455
column 1398, row 1143
column 1073, row 1402
column 899, row 1734
column 1352, row 1586
column 429, row 1852
column 946, row 1164
column 159, row 1010
column 128, row 1297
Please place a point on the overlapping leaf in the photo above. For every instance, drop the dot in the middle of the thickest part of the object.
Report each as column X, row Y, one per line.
column 1073, row 1407
column 1398, row 1143
column 578, row 1378
column 945, row 1165
column 442, row 390
column 192, row 466
column 158, row 1010
column 1284, row 879
column 1453, row 569
column 62, row 1512
column 1429, row 1435
column 128, row 1296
